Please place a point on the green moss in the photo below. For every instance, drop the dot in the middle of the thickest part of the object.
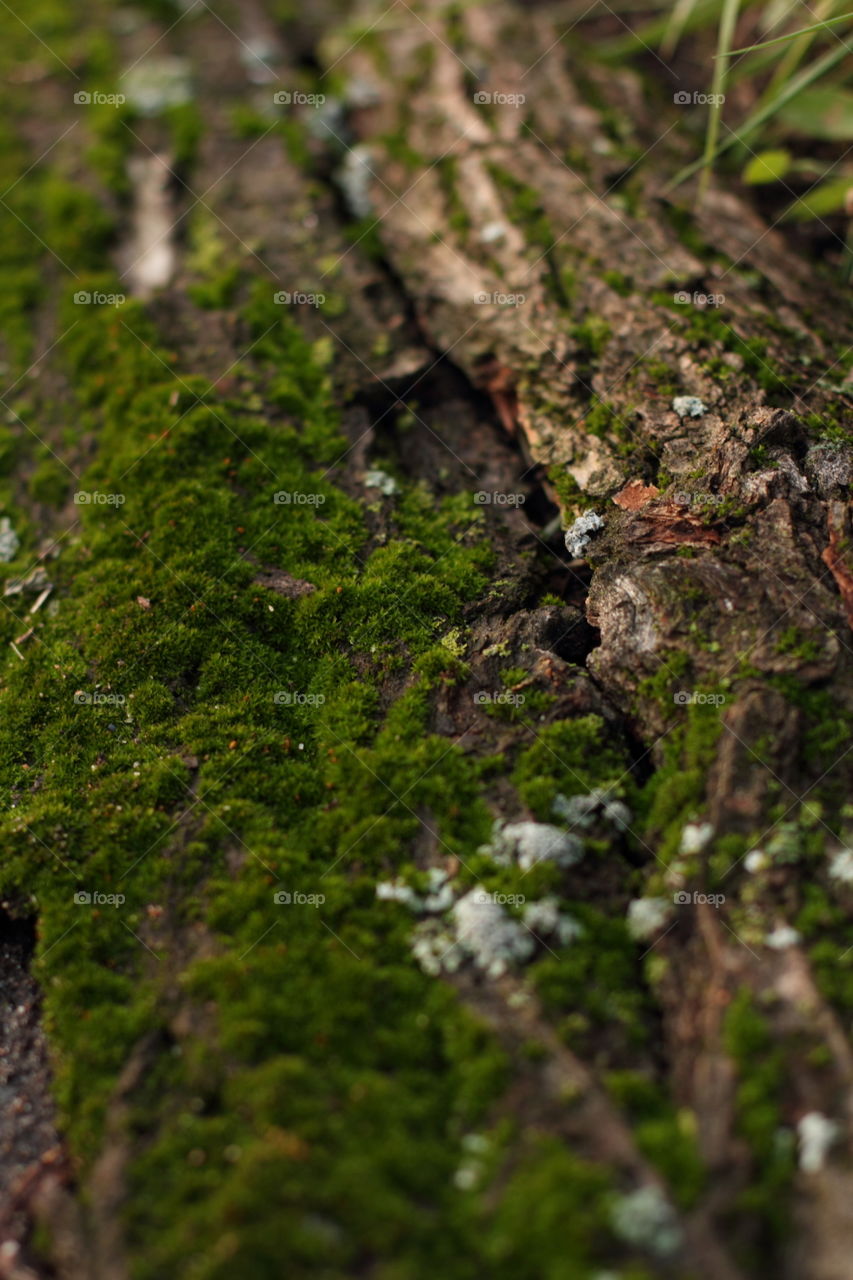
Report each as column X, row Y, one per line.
column 570, row 757
column 665, row 1135
column 592, row 335
column 458, row 217
column 532, row 1214
column 621, row 284
column 762, row 1070
column 50, row 483
column 676, row 793
column 591, row 989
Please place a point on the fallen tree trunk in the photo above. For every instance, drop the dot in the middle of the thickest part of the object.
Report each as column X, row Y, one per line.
column 578, row 556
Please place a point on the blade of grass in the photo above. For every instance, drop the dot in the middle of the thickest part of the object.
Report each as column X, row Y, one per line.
column 791, row 35
column 675, row 27
column 806, row 76
column 704, row 12
column 794, row 54
column 728, row 19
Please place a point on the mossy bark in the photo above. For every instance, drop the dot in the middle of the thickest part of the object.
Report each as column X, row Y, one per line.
column 346, row 685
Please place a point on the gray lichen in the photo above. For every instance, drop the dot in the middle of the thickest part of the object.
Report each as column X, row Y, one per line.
column 9, row 540
column 494, row 941
column 648, row 916
column 688, row 406
column 545, row 917
column 382, row 481
column 645, row 1218
column 582, row 811
column 579, row 536
column 529, row 843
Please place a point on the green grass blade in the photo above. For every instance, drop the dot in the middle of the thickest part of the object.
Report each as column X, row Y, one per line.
column 728, row 19
column 789, row 91
column 678, row 19
column 791, row 35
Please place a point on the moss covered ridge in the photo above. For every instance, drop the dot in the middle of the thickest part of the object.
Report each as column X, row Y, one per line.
column 229, row 722
column 183, row 747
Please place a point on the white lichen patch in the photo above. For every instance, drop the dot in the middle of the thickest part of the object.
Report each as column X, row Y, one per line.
column 9, row 540
column 157, row 84
column 439, row 896
column 781, row 937
column 473, row 1167
column 579, row 536
column 436, row 950
column 529, row 843
column 695, row 837
column 646, row 1219
column 493, row 232
column 647, row 917
column 841, row 867
column 397, row 891
column 688, row 406
column 494, row 941
column 756, row 860
column 816, row 1134
column 382, row 481
column 582, row 811
column 355, row 178
column 545, row 919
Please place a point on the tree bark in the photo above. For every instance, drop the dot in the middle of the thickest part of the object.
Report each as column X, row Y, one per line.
column 679, row 374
